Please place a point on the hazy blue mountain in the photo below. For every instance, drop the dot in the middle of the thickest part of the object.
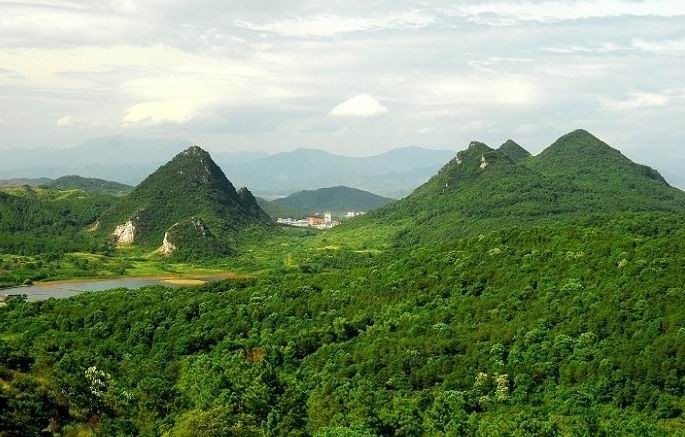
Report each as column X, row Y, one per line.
column 118, row 158
column 393, row 174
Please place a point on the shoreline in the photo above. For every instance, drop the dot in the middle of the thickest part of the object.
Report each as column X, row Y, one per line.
column 181, row 277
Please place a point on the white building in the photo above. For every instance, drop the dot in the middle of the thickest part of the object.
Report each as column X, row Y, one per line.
column 351, row 214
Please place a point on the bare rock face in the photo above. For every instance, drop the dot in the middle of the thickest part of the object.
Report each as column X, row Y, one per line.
column 124, row 233
column 199, row 226
column 483, row 162
column 167, row 246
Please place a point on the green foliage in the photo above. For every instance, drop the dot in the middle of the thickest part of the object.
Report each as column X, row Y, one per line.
column 91, row 185
column 513, row 151
column 40, row 220
column 548, row 300
column 561, row 329
column 277, row 210
column 483, row 189
column 190, row 185
column 338, row 199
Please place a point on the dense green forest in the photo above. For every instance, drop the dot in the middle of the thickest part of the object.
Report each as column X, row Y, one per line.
column 275, row 210
column 338, row 200
column 91, row 185
column 572, row 329
column 36, row 220
column 510, row 295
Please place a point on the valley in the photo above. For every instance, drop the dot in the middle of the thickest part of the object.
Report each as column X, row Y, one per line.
column 509, row 294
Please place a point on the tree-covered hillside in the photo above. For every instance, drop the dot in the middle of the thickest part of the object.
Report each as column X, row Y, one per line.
column 569, row 329
column 91, row 185
column 592, row 176
column 40, row 220
column 275, row 210
column 334, row 199
column 484, row 189
column 507, row 296
column 192, row 192
column 513, row 150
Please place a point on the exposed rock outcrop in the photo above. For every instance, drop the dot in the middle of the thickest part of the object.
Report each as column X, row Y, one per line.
column 167, row 246
column 124, row 233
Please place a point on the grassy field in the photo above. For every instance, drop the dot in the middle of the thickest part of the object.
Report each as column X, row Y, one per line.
column 287, row 249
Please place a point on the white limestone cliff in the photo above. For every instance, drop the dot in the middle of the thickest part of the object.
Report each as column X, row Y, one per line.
column 124, row 233
column 167, row 247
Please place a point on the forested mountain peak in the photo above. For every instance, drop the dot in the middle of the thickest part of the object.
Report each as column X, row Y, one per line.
column 483, row 188
column 579, row 141
column 190, row 185
column 584, row 159
column 475, row 190
column 474, row 160
column 338, row 199
column 513, row 150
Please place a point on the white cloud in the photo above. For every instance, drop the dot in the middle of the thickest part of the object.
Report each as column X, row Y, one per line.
column 71, row 121
column 362, row 105
column 476, row 90
column 154, row 113
column 635, row 101
column 66, row 121
column 509, row 12
column 326, row 25
column 607, row 47
column 664, row 46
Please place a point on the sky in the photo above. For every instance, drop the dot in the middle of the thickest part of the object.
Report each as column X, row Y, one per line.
column 350, row 77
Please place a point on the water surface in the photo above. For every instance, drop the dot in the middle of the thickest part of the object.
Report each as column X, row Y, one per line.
column 60, row 289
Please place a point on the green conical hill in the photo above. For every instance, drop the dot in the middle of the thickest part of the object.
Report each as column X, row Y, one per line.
column 189, row 186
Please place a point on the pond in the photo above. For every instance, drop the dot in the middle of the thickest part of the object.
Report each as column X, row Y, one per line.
column 60, row 289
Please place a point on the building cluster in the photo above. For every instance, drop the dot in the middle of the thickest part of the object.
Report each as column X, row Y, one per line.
column 313, row 221
column 352, row 214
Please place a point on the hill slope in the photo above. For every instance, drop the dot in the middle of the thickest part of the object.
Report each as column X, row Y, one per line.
column 275, row 211
column 91, row 185
column 334, row 199
column 41, row 220
column 552, row 331
column 513, row 150
column 591, row 176
column 189, row 196
column 484, row 189
column 478, row 189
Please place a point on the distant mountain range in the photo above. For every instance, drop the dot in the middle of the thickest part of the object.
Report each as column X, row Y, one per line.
column 117, row 158
column 391, row 174
column 129, row 160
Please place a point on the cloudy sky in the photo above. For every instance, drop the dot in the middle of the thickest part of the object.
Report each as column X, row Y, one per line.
column 351, row 77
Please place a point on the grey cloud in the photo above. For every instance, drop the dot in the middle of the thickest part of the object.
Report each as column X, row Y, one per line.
column 449, row 71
